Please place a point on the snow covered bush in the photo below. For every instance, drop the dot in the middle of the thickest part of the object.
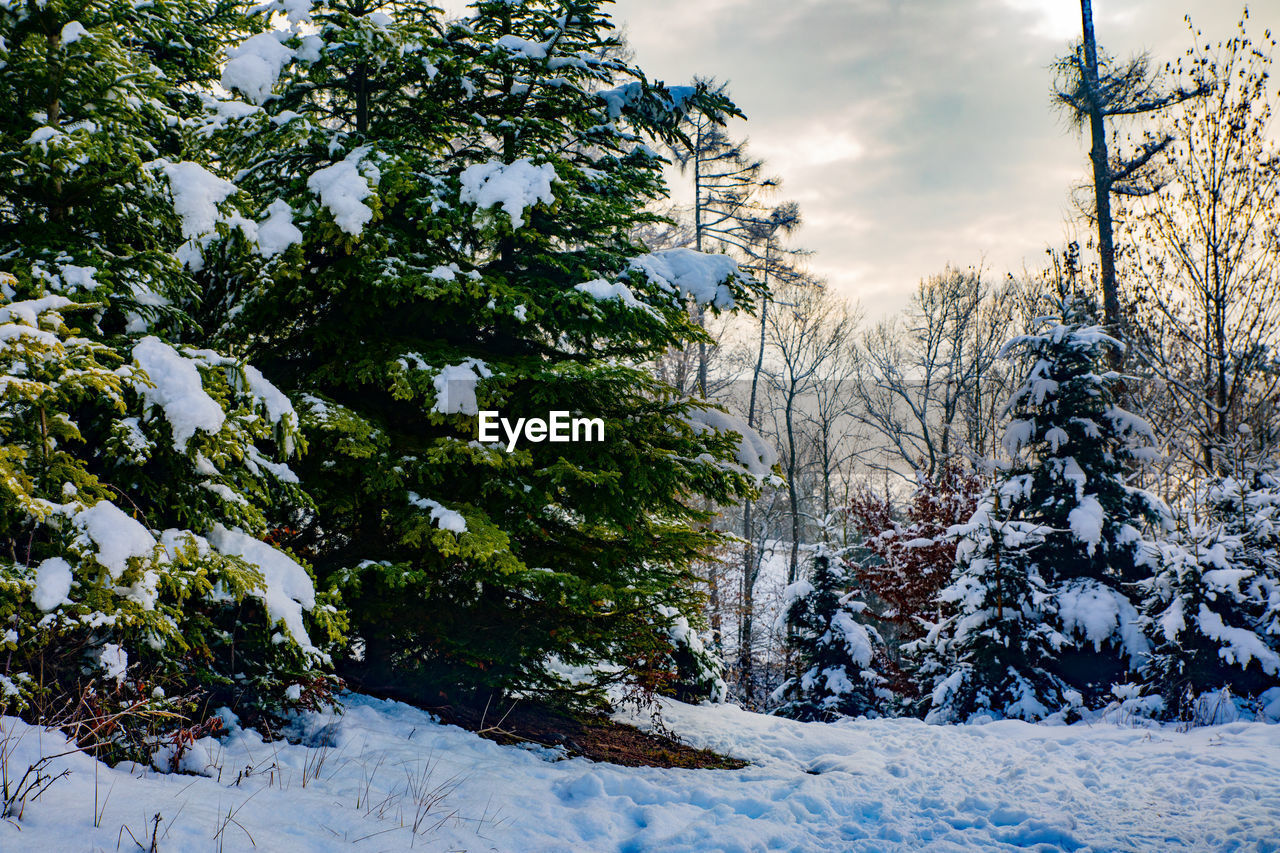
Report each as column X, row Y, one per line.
column 1248, row 506
column 441, row 214
column 694, row 673
column 1045, row 582
column 836, row 653
column 994, row 657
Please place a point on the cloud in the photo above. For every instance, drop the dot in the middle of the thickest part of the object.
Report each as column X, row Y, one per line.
column 915, row 134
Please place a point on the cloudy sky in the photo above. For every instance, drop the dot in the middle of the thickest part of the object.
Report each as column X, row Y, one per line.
column 914, row 133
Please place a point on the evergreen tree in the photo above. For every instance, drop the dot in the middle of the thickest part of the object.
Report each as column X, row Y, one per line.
column 996, row 654
column 836, row 651
column 138, row 477
column 1079, row 542
column 693, row 672
column 1213, row 610
column 457, row 202
column 1248, row 506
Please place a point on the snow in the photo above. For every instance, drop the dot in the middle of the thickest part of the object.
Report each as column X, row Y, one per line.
column 1017, row 435
column 1086, row 522
column 343, row 187
column 296, row 11
column 53, row 584
column 1099, row 613
column 792, row 593
column 254, row 65
column 445, row 518
column 699, row 276
column 309, row 51
column 41, row 136
column 622, row 97
column 1173, row 621
column 456, row 387
column 112, row 660
column 116, row 538
column 1056, row 436
column 288, row 589
column 1130, row 425
column 603, row 291
column 178, row 390
column 755, row 454
column 277, row 232
column 524, row 47
column 27, row 312
column 279, row 408
column 515, row 186
column 72, row 33
column 279, row 470
column 856, row 638
column 196, row 195
column 1239, row 646
column 75, row 278
column 855, row 785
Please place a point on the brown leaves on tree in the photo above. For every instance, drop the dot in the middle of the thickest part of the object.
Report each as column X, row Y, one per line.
column 910, row 557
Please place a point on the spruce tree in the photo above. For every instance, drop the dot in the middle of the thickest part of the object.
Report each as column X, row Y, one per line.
column 689, row 670
column 140, row 475
column 1248, row 506
column 836, row 651
column 995, row 655
column 1080, row 538
column 458, row 201
column 1213, row 610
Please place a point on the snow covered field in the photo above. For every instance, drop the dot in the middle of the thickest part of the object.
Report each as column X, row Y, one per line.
column 856, row 785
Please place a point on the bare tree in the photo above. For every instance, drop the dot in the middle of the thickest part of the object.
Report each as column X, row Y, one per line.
column 728, row 185
column 922, row 386
column 772, row 263
column 807, row 333
column 1205, row 267
column 834, row 431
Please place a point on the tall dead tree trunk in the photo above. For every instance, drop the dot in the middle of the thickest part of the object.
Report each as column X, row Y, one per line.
column 1102, row 178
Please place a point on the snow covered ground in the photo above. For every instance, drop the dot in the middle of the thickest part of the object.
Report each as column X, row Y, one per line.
column 856, row 786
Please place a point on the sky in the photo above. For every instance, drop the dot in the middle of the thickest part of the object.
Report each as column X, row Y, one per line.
column 913, row 133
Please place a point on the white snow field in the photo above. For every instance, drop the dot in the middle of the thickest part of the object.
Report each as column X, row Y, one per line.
column 868, row 785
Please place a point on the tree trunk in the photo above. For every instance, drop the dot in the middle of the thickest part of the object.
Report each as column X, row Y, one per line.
column 793, row 496
column 746, row 616
column 750, row 570
column 1101, row 178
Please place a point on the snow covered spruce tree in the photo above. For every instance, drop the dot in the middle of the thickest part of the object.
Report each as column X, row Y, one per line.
column 1248, row 507
column 453, row 204
column 836, row 652
column 138, row 476
column 995, row 655
column 1213, row 610
column 1044, row 582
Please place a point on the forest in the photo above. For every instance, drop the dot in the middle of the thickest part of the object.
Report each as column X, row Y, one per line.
column 264, row 270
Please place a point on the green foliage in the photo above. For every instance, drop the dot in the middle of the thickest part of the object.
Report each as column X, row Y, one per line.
column 410, row 303
column 89, row 592
column 132, row 467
